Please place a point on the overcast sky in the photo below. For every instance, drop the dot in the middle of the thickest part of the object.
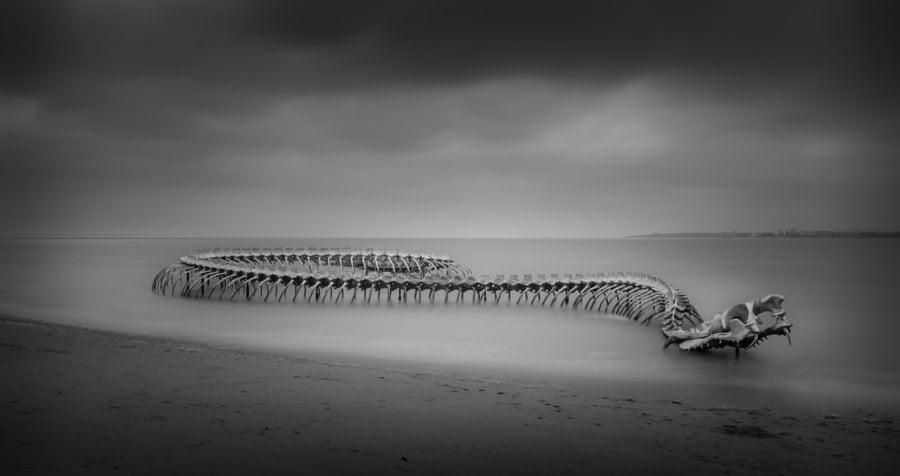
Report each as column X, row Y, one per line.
column 446, row 118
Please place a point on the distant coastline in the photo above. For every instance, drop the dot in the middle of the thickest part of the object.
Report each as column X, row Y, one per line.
column 792, row 233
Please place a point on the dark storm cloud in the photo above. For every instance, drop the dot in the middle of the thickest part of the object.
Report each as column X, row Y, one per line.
column 30, row 43
column 104, row 104
column 173, row 59
column 475, row 38
column 359, row 44
column 167, row 58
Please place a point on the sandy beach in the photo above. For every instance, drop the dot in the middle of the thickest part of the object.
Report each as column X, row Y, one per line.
column 77, row 400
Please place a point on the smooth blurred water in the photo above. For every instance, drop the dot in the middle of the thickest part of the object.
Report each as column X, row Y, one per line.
column 840, row 295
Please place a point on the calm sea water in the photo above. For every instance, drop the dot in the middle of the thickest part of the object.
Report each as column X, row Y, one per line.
column 840, row 295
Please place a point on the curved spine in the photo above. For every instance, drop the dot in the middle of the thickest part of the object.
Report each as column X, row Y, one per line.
column 327, row 273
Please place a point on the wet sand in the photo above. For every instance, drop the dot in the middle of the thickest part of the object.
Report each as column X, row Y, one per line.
column 76, row 400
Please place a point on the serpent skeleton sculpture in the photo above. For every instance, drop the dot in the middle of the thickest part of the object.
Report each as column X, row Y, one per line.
column 261, row 274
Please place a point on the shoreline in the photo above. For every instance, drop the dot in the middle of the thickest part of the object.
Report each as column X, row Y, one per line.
column 739, row 391
column 85, row 400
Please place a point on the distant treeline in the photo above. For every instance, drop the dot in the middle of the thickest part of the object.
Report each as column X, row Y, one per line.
column 778, row 234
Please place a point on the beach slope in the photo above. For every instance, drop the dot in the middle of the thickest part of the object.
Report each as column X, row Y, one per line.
column 76, row 400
